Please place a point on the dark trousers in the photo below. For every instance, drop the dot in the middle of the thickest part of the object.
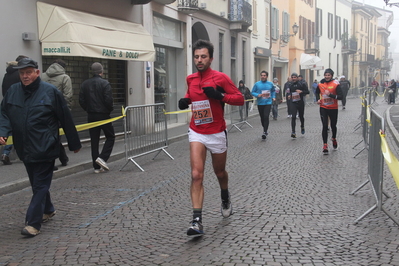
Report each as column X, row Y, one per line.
column 325, row 114
column 241, row 109
column 275, row 109
column 288, row 106
column 345, row 93
column 391, row 97
column 63, row 157
column 297, row 108
column 95, row 133
column 40, row 176
column 264, row 112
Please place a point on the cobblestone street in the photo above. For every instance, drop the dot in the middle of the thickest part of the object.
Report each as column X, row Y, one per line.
column 291, row 207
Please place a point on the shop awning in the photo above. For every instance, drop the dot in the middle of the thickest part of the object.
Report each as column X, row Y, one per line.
column 311, row 62
column 67, row 32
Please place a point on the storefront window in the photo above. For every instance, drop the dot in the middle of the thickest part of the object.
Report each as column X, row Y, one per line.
column 78, row 68
column 165, row 79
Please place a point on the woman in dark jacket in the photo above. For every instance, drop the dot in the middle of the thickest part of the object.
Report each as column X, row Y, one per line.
column 391, row 96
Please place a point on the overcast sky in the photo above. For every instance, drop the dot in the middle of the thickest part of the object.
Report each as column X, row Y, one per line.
column 394, row 28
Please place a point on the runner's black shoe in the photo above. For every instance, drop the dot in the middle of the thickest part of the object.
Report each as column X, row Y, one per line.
column 335, row 144
column 293, row 135
column 196, row 228
column 264, row 135
column 303, row 130
column 325, row 149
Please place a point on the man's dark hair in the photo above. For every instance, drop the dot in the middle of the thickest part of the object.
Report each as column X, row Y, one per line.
column 60, row 62
column 200, row 44
column 264, row 71
column 300, row 76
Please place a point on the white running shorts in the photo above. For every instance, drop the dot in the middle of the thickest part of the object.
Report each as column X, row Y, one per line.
column 215, row 143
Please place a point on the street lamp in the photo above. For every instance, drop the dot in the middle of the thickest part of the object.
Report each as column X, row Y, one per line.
column 387, row 2
column 285, row 37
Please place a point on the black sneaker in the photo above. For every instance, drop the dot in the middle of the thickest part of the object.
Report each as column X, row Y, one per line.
column 335, row 144
column 303, row 130
column 196, row 228
column 325, row 149
column 293, row 135
column 264, row 135
column 227, row 208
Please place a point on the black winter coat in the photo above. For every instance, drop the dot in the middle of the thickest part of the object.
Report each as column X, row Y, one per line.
column 33, row 114
column 10, row 77
column 95, row 95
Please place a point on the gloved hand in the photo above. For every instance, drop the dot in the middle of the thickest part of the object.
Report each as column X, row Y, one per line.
column 332, row 96
column 183, row 103
column 212, row 93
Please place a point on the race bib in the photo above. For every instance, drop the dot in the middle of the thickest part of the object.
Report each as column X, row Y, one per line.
column 202, row 113
column 327, row 100
column 266, row 94
column 296, row 97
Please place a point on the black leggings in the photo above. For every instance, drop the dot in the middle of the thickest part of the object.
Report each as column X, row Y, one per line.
column 297, row 107
column 333, row 115
column 264, row 112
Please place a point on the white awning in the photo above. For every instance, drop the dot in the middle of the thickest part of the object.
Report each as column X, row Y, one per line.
column 67, row 32
column 311, row 62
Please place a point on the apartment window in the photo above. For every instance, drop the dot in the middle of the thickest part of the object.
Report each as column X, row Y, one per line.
column 338, row 32
column 319, row 22
column 330, row 26
column 371, row 33
column 346, row 28
column 233, row 47
column 255, row 18
column 275, row 26
column 221, row 35
column 338, row 71
column 361, row 24
column 286, row 24
column 301, row 28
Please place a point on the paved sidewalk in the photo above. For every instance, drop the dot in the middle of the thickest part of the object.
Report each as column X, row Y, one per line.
column 291, row 207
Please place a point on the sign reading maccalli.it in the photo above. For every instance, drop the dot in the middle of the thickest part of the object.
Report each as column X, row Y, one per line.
column 94, row 51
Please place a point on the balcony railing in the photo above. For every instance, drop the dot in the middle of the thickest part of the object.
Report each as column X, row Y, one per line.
column 240, row 11
column 312, row 44
column 349, row 46
column 386, row 64
column 188, row 6
column 367, row 59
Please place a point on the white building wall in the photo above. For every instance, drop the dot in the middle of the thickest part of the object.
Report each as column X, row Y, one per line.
column 331, row 48
column 261, row 38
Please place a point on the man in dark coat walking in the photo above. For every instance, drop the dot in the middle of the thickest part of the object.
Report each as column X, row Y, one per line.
column 32, row 111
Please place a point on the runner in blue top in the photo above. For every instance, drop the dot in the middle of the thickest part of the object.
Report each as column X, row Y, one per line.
column 265, row 93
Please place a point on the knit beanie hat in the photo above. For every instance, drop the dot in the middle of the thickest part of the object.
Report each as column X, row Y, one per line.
column 97, row 68
column 329, row 70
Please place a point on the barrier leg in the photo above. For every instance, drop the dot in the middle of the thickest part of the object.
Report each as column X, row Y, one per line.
column 133, row 161
column 357, row 144
column 390, row 216
column 365, row 214
column 359, row 152
column 359, row 187
column 167, row 153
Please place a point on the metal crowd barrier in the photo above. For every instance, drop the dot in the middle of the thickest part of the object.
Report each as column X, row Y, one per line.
column 238, row 115
column 145, row 131
column 363, row 124
column 375, row 171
